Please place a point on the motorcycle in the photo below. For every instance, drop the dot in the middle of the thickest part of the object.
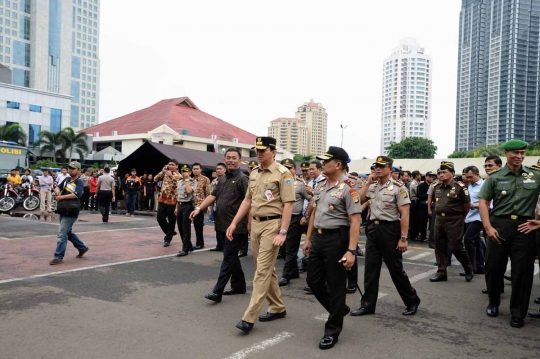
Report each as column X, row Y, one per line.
column 10, row 198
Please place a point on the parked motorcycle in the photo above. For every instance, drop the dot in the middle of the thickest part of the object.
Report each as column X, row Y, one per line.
column 10, row 197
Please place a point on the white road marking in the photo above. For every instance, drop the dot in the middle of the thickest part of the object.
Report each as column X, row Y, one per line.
column 431, row 259
column 409, row 251
column 536, row 268
column 55, row 235
column 421, row 255
column 381, row 295
column 421, row 276
column 91, row 267
column 258, row 347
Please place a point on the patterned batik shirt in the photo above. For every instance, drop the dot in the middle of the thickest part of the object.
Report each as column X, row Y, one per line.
column 168, row 194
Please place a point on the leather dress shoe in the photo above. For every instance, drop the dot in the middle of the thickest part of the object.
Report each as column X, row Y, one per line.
column 362, row 311
column 308, row 290
column 283, row 282
column 350, row 289
column 469, row 276
column 233, row 291
column 537, row 300
column 213, row 297
column 327, row 342
column 166, row 244
column 216, row 249
column 516, row 322
column 438, row 279
column 242, row 254
column 199, row 247
column 507, row 277
column 268, row 317
column 535, row 314
column 492, row 311
column 411, row 309
column 182, row 254
column 244, row 326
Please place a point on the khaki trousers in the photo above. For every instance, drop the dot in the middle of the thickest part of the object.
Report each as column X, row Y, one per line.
column 42, row 197
column 265, row 282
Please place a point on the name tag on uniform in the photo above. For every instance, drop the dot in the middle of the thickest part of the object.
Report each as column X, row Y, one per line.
column 504, row 182
column 269, row 195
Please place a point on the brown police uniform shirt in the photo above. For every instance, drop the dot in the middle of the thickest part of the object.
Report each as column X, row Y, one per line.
column 301, row 195
column 269, row 188
column 385, row 200
column 335, row 202
column 450, row 199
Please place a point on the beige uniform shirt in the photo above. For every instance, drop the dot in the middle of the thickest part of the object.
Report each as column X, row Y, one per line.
column 183, row 196
column 269, row 188
column 301, row 195
column 386, row 199
column 335, row 202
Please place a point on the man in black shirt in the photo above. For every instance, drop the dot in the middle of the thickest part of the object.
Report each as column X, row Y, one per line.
column 228, row 196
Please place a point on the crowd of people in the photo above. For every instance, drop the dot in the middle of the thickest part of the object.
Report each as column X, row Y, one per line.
column 480, row 221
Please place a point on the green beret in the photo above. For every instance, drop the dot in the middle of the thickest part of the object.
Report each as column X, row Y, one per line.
column 514, row 145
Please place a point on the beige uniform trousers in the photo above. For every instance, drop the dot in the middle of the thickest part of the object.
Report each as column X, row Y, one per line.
column 265, row 282
column 45, row 196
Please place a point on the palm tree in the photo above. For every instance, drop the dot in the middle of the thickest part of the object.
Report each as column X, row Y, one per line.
column 49, row 142
column 74, row 142
column 13, row 133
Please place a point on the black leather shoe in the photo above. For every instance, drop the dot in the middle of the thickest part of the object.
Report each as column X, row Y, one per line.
column 308, row 290
column 362, row 311
column 166, row 244
column 199, row 247
column 244, row 326
column 350, row 289
column 190, row 250
column 492, row 311
column 507, row 277
column 516, row 322
column 438, row 279
column 327, row 342
column 216, row 249
column 411, row 309
column 535, row 314
column 283, row 282
column 182, row 254
column 469, row 277
column 537, row 300
column 484, row 291
column 233, row 291
column 242, row 254
column 268, row 317
column 213, row 297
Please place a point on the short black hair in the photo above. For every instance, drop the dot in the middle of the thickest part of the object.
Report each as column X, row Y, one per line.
column 196, row 164
column 107, row 170
column 415, row 173
column 317, row 164
column 64, row 168
column 407, row 172
column 173, row 160
column 221, row 164
column 495, row 159
column 133, row 170
column 473, row 169
column 354, row 174
column 233, row 149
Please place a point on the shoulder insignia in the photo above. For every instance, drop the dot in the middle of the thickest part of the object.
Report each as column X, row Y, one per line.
column 404, row 192
column 350, row 183
column 254, row 172
column 494, row 171
column 254, row 168
column 399, row 183
column 282, row 169
column 461, row 184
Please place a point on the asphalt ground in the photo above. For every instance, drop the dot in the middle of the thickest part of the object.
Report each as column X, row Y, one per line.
column 130, row 297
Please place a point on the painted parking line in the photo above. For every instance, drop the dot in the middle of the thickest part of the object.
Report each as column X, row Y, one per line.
column 259, row 347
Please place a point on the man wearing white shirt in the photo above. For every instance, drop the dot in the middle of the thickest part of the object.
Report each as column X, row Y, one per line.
column 62, row 175
column 473, row 223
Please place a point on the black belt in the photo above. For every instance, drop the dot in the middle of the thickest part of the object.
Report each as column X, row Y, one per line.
column 324, row 231
column 184, row 203
column 262, row 219
column 451, row 214
column 378, row 222
column 297, row 215
column 515, row 217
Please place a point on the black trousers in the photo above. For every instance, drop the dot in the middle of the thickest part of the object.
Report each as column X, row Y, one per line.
column 423, row 219
column 292, row 244
column 381, row 245
column 327, row 277
column 244, row 245
column 230, row 267
column 166, row 220
column 149, row 201
column 473, row 244
column 414, row 228
column 432, row 225
column 198, row 223
column 184, row 225
column 104, row 202
column 522, row 251
column 85, row 198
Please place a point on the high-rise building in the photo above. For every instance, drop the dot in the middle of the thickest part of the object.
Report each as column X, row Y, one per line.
column 53, row 46
column 406, row 94
column 498, row 74
column 316, row 121
column 291, row 134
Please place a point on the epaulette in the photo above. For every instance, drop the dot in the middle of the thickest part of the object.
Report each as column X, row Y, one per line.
column 398, row 182
column 535, row 167
column 282, row 169
column 349, row 183
column 254, row 172
column 461, row 184
column 494, row 171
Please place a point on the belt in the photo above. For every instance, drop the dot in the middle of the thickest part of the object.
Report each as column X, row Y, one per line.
column 327, row 230
column 185, row 203
column 296, row 215
column 262, row 219
column 451, row 214
column 378, row 221
column 515, row 217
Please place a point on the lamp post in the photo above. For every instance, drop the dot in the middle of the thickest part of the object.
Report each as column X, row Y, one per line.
column 342, row 128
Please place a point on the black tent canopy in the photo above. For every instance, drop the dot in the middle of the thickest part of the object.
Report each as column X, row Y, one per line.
column 151, row 157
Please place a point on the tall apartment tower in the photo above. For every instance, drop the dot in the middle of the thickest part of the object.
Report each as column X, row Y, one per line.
column 406, row 94
column 291, row 134
column 53, row 45
column 498, row 74
column 316, row 121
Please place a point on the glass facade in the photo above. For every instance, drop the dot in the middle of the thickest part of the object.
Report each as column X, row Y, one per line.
column 75, row 91
column 54, row 31
column 33, row 132
column 74, row 119
column 75, row 67
column 20, row 77
column 56, row 120
column 21, row 53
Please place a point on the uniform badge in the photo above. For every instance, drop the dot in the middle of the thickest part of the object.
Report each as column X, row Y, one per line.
column 391, row 187
column 466, row 192
column 404, row 193
column 503, row 193
column 288, row 182
column 354, row 195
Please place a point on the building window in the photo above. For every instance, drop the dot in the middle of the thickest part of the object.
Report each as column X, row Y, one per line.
column 74, row 119
column 76, row 67
column 33, row 134
column 13, row 105
column 21, row 53
column 35, row 108
column 56, row 120
column 20, row 77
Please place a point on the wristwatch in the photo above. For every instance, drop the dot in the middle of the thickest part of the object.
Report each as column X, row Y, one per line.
column 353, row 251
column 283, row 231
column 403, row 239
column 307, row 217
column 198, row 208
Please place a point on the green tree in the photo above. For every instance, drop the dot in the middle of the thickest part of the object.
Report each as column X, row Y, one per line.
column 481, row 151
column 51, row 142
column 303, row 158
column 412, row 147
column 13, row 133
column 460, row 154
column 44, row 163
column 74, row 142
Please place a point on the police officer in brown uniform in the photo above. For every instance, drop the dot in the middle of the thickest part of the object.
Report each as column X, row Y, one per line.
column 452, row 203
column 296, row 228
column 331, row 240
column 270, row 197
column 386, row 237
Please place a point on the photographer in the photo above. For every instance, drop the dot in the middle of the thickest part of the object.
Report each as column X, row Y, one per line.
column 167, row 199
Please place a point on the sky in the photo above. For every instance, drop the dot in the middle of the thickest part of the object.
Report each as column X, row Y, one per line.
column 249, row 62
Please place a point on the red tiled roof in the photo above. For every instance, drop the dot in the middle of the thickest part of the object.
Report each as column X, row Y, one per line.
column 287, row 118
column 177, row 113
